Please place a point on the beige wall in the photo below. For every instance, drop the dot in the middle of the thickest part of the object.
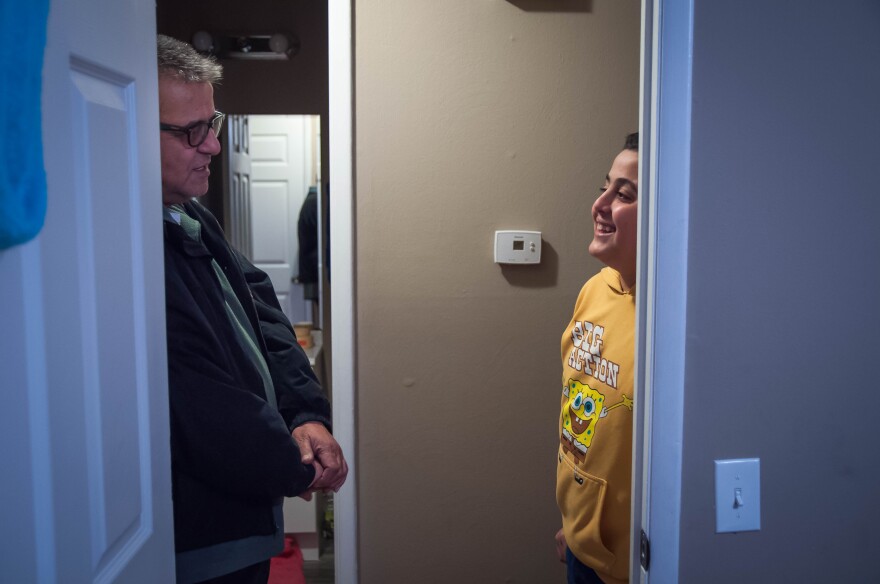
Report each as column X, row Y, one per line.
column 473, row 116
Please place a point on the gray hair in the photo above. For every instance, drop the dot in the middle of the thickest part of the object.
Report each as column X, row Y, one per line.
column 180, row 60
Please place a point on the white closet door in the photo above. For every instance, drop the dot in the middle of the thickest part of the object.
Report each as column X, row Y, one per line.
column 281, row 154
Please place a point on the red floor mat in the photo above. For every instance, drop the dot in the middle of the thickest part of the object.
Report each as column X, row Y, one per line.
column 287, row 566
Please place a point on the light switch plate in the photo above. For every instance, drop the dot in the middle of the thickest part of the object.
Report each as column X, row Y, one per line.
column 737, row 495
column 517, row 247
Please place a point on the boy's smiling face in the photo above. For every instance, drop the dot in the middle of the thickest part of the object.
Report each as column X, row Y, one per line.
column 615, row 217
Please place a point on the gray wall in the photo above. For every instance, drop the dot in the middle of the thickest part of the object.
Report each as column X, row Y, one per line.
column 783, row 327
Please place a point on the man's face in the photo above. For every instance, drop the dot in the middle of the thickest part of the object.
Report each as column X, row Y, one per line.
column 184, row 168
column 615, row 215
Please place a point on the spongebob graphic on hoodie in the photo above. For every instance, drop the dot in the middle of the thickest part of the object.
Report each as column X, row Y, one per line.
column 581, row 415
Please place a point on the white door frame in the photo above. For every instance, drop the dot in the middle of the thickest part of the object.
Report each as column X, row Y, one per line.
column 661, row 298
column 342, row 292
column 667, row 32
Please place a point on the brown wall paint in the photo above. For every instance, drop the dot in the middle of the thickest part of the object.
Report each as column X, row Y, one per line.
column 295, row 86
column 473, row 117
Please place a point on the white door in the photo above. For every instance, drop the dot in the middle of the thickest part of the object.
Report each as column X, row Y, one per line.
column 283, row 163
column 86, row 488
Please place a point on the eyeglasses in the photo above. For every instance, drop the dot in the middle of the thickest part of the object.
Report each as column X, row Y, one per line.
column 197, row 132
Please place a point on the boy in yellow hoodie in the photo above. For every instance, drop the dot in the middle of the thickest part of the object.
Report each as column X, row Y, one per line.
column 593, row 477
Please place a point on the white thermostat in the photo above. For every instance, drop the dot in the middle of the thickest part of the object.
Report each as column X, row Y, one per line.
column 517, row 247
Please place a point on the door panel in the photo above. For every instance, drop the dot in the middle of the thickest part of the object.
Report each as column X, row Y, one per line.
column 86, row 432
column 240, row 185
column 114, row 437
column 270, row 241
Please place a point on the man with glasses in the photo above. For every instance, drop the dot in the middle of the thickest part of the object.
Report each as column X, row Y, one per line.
column 249, row 420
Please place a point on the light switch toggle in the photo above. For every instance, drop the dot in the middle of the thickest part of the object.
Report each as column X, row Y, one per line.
column 742, row 479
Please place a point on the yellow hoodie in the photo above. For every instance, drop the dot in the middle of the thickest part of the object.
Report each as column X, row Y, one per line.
column 593, row 476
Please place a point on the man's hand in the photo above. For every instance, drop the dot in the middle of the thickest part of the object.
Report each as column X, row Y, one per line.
column 561, row 546
column 317, row 444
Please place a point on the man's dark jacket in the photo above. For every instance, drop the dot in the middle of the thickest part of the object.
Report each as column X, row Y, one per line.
column 232, row 455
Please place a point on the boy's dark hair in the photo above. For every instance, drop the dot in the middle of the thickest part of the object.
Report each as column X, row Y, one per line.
column 632, row 142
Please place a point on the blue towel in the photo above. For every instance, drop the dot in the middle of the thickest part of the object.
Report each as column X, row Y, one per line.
column 22, row 177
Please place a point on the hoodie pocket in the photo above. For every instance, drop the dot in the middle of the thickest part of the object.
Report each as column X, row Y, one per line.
column 581, row 499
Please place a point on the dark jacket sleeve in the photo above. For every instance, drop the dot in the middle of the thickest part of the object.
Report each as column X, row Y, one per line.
column 230, row 438
column 300, row 396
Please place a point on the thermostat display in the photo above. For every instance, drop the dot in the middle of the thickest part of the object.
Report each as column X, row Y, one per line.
column 517, row 247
